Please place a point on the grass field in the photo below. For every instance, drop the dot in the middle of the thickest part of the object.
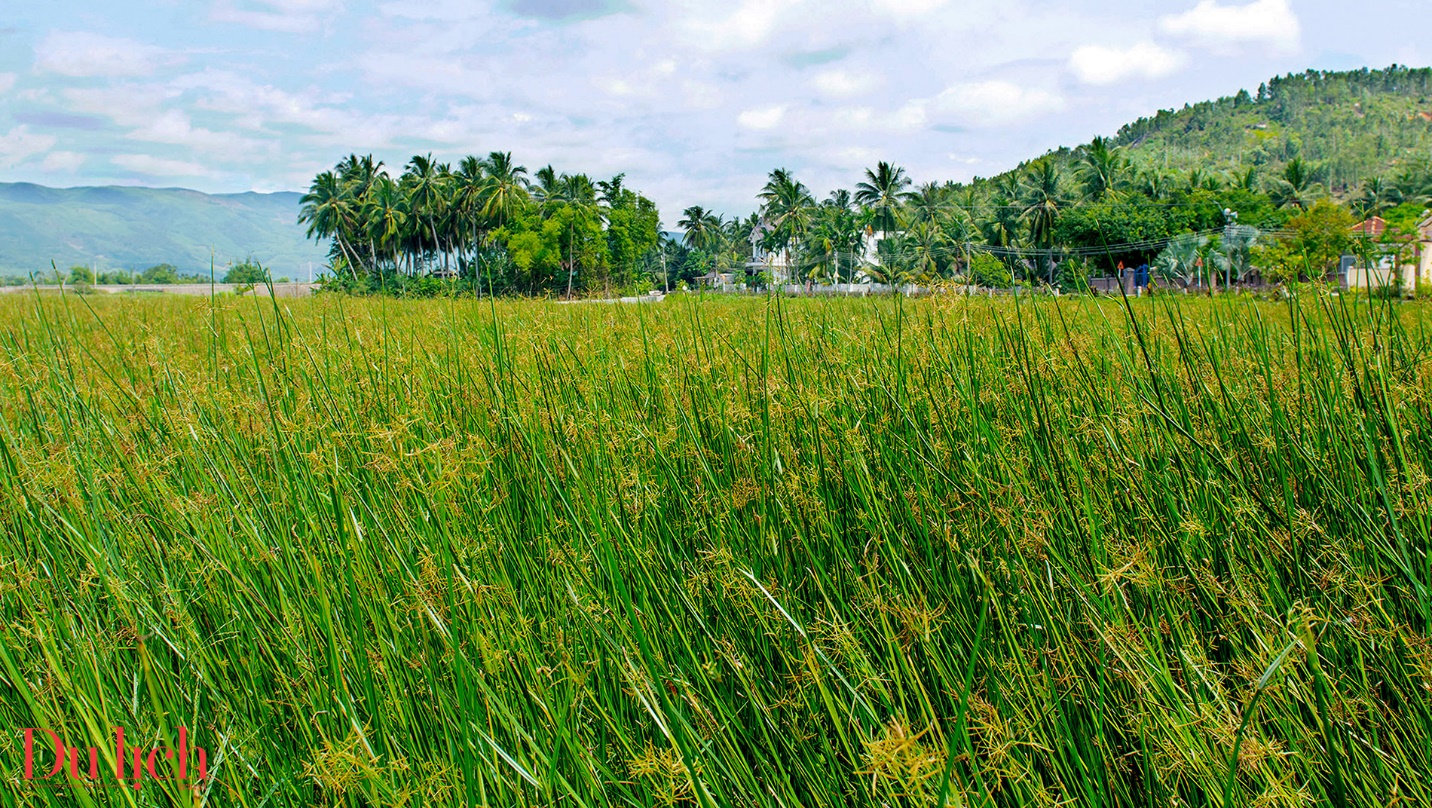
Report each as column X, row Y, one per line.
column 723, row 553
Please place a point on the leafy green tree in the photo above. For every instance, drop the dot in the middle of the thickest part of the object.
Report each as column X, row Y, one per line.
column 988, row 271
column 81, row 274
column 160, row 274
column 1322, row 235
column 246, row 273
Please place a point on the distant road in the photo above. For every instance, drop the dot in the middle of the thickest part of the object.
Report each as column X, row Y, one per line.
column 192, row 289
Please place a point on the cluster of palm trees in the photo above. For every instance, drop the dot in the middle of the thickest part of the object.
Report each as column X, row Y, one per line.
column 434, row 219
column 890, row 230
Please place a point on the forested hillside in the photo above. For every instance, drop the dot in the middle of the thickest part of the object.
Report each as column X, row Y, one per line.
column 1347, row 126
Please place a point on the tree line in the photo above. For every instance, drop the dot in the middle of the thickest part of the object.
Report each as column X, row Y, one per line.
column 486, row 225
column 1056, row 220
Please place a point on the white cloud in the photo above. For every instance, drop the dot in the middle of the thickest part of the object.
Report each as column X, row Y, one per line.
column 173, row 127
column 992, row 103
column 83, row 54
column 22, row 144
column 7, row 80
column 1267, row 21
column 151, row 166
column 844, row 83
column 284, row 16
column 762, row 117
column 908, row 118
column 751, row 24
column 63, row 162
column 1096, row 64
column 908, row 9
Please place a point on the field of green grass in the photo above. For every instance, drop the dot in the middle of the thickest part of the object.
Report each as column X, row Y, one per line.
column 959, row 552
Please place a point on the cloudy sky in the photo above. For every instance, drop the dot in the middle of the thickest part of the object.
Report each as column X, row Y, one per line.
column 695, row 100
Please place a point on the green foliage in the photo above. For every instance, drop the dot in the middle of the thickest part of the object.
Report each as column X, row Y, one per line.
column 160, row 273
column 81, row 274
column 248, row 273
column 1322, row 235
column 484, row 223
column 986, row 270
column 854, row 553
column 116, row 277
column 1345, row 126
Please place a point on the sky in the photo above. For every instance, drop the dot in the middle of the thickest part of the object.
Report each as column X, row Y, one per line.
column 695, row 101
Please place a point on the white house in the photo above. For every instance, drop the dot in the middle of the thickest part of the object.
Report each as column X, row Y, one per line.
column 777, row 263
column 781, row 265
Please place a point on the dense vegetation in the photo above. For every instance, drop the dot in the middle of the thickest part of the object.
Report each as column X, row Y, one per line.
column 1350, row 125
column 486, row 224
column 1199, row 187
column 762, row 552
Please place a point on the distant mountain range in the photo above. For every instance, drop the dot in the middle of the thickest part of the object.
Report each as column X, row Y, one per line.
column 135, row 228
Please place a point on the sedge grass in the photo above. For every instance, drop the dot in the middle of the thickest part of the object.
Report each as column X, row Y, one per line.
column 723, row 553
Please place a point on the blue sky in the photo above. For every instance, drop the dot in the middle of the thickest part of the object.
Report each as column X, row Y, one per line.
column 695, row 101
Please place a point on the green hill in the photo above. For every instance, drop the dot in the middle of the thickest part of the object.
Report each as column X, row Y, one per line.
column 1350, row 126
column 134, row 228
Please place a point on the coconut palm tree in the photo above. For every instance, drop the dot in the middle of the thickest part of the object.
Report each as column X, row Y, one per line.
column 506, row 190
column 1102, row 169
column 702, row 228
column 329, row 212
column 787, row 207
column 386, row 212
column 426, row 188
column 885, row 193
column 1377, row 196
column 1296, row 188
column 1043, row 202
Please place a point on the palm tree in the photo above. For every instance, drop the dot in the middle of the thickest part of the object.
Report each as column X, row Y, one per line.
column 787, row 207
column 927, row 249
column 703, row 228
column 1155, row 184
column 929, row 204
column 387, row 215
column 1043, row 205
column 328, row 211
column 506, row 190
column 1377, row 197
column 1180, row 257
column 426, row 187
column 884, row 193
column 547, row 190
column 1102, row 169
column 1296, row 188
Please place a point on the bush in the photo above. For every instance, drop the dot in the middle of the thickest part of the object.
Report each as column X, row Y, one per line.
column 79, row 274
column 986, row 270
column 249, row 273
